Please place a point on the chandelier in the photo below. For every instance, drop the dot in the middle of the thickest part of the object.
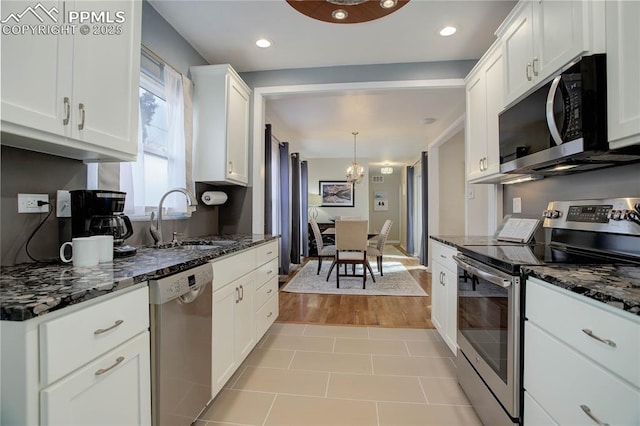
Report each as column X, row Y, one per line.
column 355, row 172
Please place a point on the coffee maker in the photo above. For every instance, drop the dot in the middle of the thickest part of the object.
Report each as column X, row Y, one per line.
column 99, row 212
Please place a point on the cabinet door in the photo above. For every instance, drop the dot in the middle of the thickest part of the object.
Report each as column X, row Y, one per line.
column 36, row 72
column 558, row 35
column 243, row 320
column 106, row 72
column 476, row 126
column 451, row 322
column 495, row 103
column 438, row 298
column 237, row 132
column 623, row 69
column 223, row 361
column 517, row 49
column 113, row 390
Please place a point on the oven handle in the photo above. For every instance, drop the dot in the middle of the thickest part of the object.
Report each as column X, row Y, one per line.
column 496, row 277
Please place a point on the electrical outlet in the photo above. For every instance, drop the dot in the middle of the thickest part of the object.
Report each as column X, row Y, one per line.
column 28, row 203
column 517, row 205
column 63, row 203
column 471, row 193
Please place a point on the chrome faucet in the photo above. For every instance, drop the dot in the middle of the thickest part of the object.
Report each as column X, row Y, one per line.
column 193, row 202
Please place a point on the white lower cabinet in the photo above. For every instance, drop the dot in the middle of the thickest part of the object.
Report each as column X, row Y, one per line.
column 444, row 294
column 86, row 364
column 242, row 289
column 114, row 389
column 570, row 377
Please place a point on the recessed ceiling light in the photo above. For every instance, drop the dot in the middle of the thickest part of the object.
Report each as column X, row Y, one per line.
column 447, row 31
column 339, row 14
column 263, row 42
column 388, row 4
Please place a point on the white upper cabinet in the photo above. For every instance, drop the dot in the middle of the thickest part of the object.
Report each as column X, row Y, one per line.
column 623, row 69
column 541, row 37
column 74, row 94
column 484, row 86
column 221, row 125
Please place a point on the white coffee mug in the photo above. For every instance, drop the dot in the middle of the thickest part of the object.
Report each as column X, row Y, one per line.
column 105, row 247
column 84, row 252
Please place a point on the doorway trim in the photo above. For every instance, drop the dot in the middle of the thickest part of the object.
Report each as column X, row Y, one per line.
column 260, row 94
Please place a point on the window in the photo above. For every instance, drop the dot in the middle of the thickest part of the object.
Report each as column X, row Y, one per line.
column 164, row 145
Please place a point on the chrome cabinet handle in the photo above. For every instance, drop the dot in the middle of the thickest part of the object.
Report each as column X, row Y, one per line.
column 67, row 107
column 480, row 164
column 588, row 412
column 269, row 252
column 104, row 330
column 230, row 167
column 443, row 256
column 104, row 370
column 270, row 290
column 83, row 115
column 237, row 295
column 270, row 313
column 241, row 293
column 535, row 68
column 527, row 70
column 269, row 271
column 599, row 339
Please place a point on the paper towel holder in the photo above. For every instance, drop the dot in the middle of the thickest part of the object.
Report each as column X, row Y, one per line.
column 213, row 198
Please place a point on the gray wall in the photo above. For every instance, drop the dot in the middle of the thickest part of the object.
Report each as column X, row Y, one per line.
column 622, row 181
column 356, row 73
column 451, row 179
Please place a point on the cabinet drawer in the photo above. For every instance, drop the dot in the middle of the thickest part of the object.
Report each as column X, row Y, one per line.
column 267, row 252
column 444, row 254
column 267, row 271
column 266, row 315
column 534, row 414
column 265, row 292
column 70, row 341
column 563, row 315
column 561, row 381
column 233, row 267
column 115, row 389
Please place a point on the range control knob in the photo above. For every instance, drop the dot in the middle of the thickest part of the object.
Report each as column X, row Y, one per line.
column 547, row 214
column 615, row 215
column 556, row 214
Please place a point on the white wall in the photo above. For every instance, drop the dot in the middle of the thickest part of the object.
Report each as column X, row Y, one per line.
column 334, row 169
column 451, row 186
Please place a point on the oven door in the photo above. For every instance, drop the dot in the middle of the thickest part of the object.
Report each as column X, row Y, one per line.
column 488, row 328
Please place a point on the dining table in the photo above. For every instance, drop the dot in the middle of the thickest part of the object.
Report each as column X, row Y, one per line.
column 332, row 231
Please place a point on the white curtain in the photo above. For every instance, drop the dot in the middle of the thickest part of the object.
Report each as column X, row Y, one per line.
column 132, row 180
column 176, row 203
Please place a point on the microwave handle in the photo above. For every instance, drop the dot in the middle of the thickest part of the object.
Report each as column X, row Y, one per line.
column 551, row 121
column 496, row 277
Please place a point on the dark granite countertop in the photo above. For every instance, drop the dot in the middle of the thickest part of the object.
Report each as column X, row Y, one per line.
column 470, row 240
column 615, row 285
column 29, row 290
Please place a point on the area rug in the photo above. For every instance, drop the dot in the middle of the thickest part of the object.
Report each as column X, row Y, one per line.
column 397, row 281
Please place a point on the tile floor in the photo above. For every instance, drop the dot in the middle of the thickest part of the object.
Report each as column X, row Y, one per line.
column 335, row 375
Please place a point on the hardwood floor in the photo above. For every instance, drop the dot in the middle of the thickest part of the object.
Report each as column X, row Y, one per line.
column 383, row 311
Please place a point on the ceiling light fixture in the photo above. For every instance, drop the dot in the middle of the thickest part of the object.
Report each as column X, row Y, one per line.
column 447, row 31
column 263, row 42
column 346, row 11
column 388, row 4
column 339, row 14
column 355, row 172
column 386, row 170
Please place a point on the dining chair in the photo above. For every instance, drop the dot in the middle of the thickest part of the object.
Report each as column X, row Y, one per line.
column 323, row 251
column 351, row 249
column 378, row 249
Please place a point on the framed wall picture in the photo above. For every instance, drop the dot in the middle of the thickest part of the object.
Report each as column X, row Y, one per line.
column 336, row 193
column 380, row 201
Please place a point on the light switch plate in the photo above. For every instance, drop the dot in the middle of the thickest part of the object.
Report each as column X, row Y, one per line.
column 63, row 203
column 471, row 193
column 517, row 205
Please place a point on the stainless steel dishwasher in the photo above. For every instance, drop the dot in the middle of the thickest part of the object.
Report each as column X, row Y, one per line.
column 180, row 345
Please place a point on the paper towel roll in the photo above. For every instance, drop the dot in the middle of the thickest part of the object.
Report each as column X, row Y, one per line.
column 213, row 198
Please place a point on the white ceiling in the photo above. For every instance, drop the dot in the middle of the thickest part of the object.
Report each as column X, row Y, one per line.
column 390, row 122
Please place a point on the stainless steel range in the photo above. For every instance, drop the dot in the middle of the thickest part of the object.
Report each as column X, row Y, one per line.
column 490, row 294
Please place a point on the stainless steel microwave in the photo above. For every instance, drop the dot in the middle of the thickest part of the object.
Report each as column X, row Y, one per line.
column 561, row 127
